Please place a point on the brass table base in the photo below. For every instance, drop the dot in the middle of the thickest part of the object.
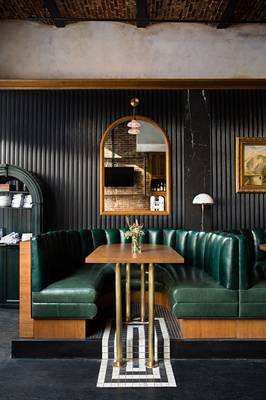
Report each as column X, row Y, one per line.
column 119, row 364
column 119, row 361
column 151, row 365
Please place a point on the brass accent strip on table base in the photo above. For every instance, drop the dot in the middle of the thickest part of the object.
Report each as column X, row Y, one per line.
column 142, row 293
column 151, row 362
column 128, row 302
column 119, row 362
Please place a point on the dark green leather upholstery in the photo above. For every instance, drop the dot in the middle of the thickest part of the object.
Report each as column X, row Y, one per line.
column 252, row 273
column 205, row 286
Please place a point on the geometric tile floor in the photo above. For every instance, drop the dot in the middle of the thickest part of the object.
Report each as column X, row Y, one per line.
column 135, row 346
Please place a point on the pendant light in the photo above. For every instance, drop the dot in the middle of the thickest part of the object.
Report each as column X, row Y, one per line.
column 134, row 125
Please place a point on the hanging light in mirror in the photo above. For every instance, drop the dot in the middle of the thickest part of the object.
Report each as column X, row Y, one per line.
column 134, row 125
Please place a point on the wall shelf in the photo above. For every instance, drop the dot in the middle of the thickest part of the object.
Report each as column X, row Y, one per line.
column 20, row 220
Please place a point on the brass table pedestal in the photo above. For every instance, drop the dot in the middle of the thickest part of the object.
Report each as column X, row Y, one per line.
column 150, row 362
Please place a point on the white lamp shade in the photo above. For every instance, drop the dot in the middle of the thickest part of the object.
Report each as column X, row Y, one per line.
column 203, row 198
column 134, row 124
column 133, row 131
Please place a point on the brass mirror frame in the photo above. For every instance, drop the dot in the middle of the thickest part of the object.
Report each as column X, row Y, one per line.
column 119, row 121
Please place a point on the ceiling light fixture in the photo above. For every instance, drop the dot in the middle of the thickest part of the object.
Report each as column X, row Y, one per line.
column 134, row 125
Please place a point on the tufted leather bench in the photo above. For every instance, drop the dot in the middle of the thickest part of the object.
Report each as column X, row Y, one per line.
column 252, row 274
column 64, row 287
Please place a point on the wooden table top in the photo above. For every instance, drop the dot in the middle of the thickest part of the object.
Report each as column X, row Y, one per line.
column 262, row 247
column 121, row 253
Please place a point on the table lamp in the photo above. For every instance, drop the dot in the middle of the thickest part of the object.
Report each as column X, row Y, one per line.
column 203, row 199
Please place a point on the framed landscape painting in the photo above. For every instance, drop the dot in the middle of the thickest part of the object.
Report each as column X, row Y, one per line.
column 250, row 164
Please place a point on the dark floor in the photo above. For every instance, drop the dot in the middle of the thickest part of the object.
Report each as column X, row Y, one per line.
column 8, row 331
column 76, row 379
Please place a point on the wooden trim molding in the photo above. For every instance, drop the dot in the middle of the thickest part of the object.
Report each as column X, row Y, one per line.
column 25, row 320
column 64, row 84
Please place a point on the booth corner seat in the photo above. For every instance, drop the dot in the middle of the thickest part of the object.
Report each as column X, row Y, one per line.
column 252, row 279
column 62, row 285
column 205, row 286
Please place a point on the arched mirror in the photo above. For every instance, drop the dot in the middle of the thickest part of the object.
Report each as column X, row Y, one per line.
column 135, row 168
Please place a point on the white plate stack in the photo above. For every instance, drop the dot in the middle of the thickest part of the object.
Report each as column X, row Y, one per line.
column 5, row 200
column 17, row 200
column 27, row 201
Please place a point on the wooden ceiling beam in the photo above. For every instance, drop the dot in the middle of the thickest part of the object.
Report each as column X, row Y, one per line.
column 228, row 15
column 142, row 19
column 51, row 6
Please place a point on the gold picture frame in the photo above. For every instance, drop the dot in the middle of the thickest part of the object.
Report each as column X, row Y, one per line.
column 251, row 165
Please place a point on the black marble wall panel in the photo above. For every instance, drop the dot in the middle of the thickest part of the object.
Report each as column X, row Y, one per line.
column 196, row 156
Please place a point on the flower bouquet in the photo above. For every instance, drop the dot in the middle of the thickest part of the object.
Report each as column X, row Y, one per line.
column 135, row 232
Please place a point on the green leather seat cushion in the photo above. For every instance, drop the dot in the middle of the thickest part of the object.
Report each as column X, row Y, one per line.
column 256, row 294
column 80, row 287
column 192, row 285
column 257, row 291
column 252, row 310
column 64, row 310
column 205, row 310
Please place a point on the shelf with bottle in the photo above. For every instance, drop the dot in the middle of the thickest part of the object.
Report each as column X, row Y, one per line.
column 158, row 186
column 158, row 193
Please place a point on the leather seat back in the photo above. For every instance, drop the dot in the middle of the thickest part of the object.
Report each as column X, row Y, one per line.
column 252, row 258
column 54, row 256
column 214, row 252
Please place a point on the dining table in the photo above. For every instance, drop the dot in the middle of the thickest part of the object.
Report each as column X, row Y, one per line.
column 122, row 256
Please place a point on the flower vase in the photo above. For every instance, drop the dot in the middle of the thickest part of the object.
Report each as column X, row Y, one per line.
column 136, row 245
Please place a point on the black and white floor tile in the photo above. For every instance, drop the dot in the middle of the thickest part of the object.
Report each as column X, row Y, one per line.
column 135, row 346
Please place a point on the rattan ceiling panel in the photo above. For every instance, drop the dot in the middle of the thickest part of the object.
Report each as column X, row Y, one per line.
column 157, row 10
column 102, row 9
column 22, row 9
column 206, row 10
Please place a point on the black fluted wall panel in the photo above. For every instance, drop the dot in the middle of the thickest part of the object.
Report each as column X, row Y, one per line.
column 235, row 113
column 56, row 135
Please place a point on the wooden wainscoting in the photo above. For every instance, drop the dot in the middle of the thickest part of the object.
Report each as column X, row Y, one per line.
column 223, row 328
column 208, row 328
column 59, row 329
column 251, row 329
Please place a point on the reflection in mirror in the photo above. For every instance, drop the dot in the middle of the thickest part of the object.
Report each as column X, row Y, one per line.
column 134, row 176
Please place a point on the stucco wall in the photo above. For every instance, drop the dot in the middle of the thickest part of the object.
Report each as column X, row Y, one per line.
column 114, row 50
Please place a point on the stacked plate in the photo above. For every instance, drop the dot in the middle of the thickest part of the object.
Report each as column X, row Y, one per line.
column 27, row 201
column 17, row 200
column 5, row 200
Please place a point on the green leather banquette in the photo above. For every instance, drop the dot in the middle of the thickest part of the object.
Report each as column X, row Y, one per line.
column 205, row 286
column 252, row 274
